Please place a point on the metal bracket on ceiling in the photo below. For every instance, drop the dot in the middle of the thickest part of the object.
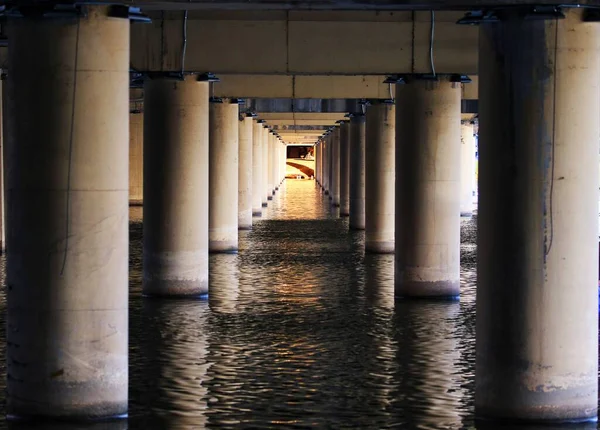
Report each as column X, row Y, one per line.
column 128, row 12
column 463, row 79
column 394, row 79
column 528, row 13
column 208, row 77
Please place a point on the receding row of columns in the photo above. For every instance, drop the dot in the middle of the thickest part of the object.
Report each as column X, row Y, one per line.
column 537, row 301
column 67, row 209
column 404, row 181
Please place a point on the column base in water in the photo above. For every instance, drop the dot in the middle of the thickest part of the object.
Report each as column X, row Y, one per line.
column 439, row 290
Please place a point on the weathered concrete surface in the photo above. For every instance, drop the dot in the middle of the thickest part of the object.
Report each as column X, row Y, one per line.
column 67, row 218
column 176, row 187
column 537, row 293
column 380, row 178
column 428, row 189
column 136, row 158
column 257, row 168
column 357, row 172
column 467, row 169
column 245, row 174
column 223, row 177
column 345, row 168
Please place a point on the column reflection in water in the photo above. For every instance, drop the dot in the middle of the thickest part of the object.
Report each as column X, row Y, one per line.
column 174, row 347
column 379, row 312
column 224, row 286
column 430, row 392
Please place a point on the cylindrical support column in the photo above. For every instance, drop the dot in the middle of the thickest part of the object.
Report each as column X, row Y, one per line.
column 467, row 169
column 223, row 177
column 67, row 216
column 326, row 164
column 318, row 162
column 335, row 167
column 136, row 158
column 245, row 174
column 428, row 188
column 175, row 187
column 537, row 296
column 277, row 163
column 257, row 167
column 265, row 170
column 380, row 177
column 271, row 165
column 345, row 168
column 357, row 172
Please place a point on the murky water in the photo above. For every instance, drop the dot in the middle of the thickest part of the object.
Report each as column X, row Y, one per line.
column 301, row 330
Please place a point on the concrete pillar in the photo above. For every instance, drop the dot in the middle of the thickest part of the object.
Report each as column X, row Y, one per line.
column 223, row 178
column 277, row 162
column 345, row 168
column 245, row 174
column 257, row 167
column 335, row 167
column 175, row 187
column 537, row 294
column 380, row 177
column 326, row 164
column 319, row 163
column 265, row 181
column 67, row 217
column 357, row 172
column 270, row 165
column 467, row 169
column 428, row 188
column 136, row 158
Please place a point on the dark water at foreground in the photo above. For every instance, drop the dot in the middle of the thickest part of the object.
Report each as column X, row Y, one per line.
column 301, row 330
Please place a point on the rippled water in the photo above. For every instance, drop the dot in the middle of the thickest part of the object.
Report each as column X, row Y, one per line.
column 301, row 329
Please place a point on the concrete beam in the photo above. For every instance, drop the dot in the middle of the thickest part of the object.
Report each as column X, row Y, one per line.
column 305, row 43
column 299, row 118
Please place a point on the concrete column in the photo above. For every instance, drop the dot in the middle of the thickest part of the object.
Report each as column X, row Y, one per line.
column 380, row 177
column 345, row 168
column 467, row 169
column 245, row 174
column 326, row 164
column 223, row 178
column 136, row 158
column 428, row 188
column 67, row 217
column 175, row 187
column 270, row 165
column 319, row 163
column 335, row 167
column 537, row 294
column 317, row 159
column 357, row 172
column 277, row 162
column 257, row 167
column 265, row 160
